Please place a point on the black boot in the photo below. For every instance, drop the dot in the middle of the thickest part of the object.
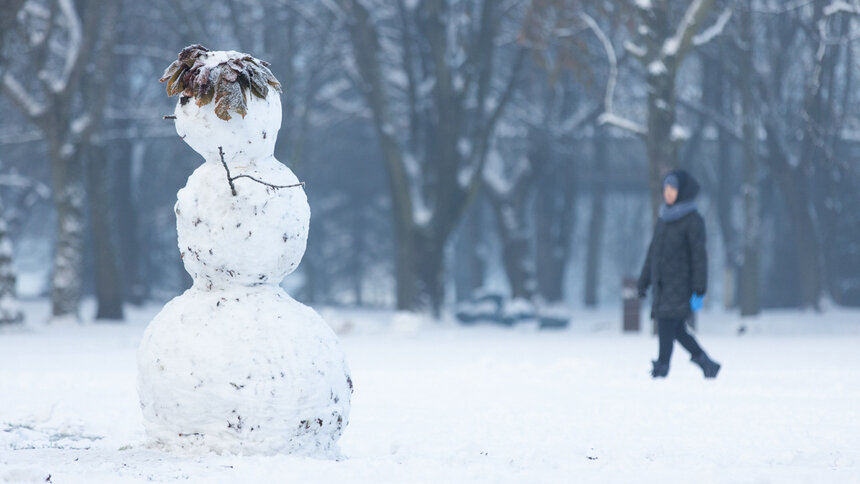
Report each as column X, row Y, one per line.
column 659, row 370
column 709, row 367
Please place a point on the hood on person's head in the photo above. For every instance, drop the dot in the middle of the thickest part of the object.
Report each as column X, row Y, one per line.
column 684, row 182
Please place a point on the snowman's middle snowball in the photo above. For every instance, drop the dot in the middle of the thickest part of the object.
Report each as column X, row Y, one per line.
column 258, row 236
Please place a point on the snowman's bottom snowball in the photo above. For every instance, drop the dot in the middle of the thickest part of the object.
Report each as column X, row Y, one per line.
column 245, row 370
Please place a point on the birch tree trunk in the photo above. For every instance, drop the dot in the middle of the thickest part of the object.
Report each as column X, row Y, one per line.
column 9, row 311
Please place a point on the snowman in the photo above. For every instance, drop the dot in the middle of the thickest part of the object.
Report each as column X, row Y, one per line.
column 235, row 364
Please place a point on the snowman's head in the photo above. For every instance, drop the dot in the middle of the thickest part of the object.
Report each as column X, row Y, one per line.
column 227, row 100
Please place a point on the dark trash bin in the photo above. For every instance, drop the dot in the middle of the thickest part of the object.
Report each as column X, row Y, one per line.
column 631, row 304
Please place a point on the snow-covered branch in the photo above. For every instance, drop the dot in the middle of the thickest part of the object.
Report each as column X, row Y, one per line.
column 635, row 50
column 841, row 6
column 610, row 56
column 713, row 31
column 422, row 214
column 16, row 92
column 680, row 43
column 73, row 22
column 623, row 123
column 16, row 180
column 500, row 185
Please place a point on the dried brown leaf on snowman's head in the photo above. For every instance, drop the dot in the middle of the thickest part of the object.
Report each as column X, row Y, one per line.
column 225, row 77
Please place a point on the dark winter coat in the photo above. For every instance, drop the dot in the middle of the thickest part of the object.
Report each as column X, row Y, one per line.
column 677, row 262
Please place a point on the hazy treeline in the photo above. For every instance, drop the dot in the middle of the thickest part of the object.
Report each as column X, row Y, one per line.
column 448, row 146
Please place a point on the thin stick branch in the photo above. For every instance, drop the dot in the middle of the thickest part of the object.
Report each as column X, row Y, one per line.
column 230, row 179
column 300, row 184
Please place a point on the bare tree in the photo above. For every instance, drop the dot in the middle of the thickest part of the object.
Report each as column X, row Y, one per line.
column 561, row 98
column 661, row 46
column 807, row 170
column 452, row 93
column 49, row 89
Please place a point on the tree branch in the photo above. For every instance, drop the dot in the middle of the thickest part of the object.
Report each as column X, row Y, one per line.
column 726, row 124
column 679, row 44
column 714, row 30
column 21, row 98
column 610, row 56
column 231, row 179
column 75, row 43
column 623, row 123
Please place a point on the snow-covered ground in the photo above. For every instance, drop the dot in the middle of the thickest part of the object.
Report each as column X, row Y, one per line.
column 439, row 403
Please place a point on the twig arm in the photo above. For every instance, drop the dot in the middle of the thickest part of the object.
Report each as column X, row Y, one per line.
column 227, row 169
column 231, row 179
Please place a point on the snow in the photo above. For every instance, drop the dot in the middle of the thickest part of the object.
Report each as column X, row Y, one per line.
column 679, row 133
column 657, row 68
column 839, row 6
column 670, row 47
column 422, row 214
column 217, row 57
column 441, row 403
column 494, row 174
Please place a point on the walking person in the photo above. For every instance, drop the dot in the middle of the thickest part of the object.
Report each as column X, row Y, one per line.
column 677, row 268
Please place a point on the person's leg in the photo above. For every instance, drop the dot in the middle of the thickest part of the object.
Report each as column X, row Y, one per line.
column 666, row 329
column 697, row 355
column 687, row 340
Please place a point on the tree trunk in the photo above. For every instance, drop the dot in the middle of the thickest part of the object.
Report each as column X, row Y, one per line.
column 791, row 183
column 516, row 258
column 554, row 219
column 661, row 147
column 405, row 263
column 67, row 278
column 598, row 219
column 358, row 224
column 750, row 303
column 714, row 90
column 109, row 286
column 429, row 271
column 9, row 311
column 819, row 144
column 470, row 255
column 665, row 47
column 127, row 223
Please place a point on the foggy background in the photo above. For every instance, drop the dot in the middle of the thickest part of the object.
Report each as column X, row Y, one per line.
column 450, row 148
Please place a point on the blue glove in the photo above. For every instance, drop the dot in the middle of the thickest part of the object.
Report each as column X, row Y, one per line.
column 696, row 302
